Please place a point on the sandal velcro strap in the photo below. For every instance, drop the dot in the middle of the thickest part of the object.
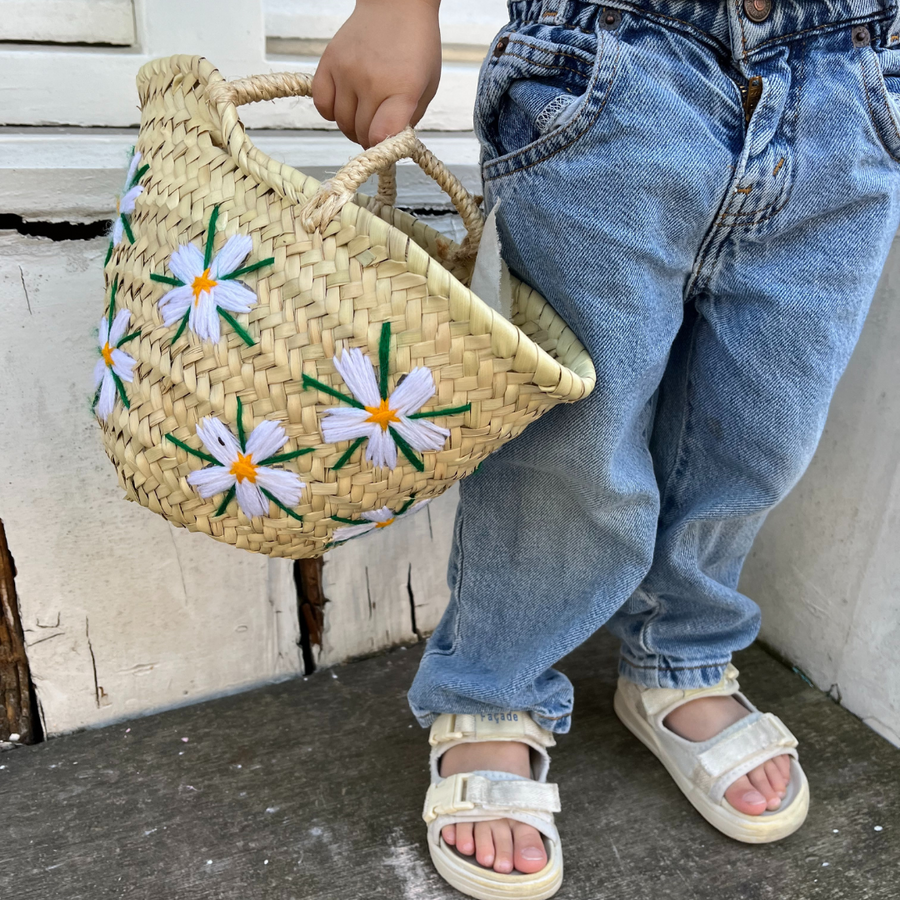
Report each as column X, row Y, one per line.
column 747, row 744
column 466, row 792
column 510, row 726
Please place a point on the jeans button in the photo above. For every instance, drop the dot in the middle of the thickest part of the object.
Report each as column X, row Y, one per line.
column 758, row 10
column 500, row 47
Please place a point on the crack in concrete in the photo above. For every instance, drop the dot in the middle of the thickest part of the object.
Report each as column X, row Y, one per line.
column 97, row 689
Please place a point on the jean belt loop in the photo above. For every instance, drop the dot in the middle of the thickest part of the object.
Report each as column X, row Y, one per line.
column 553, row 12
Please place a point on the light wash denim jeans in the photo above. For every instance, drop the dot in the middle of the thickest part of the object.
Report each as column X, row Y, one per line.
column 708, row 201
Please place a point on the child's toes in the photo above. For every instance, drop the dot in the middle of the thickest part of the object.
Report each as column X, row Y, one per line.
column 484, row 844
column 503, row 846
column 745, row 798
column 448, row 833
column 530, row 855
column 776, row 779
column 784, row 766
column 760, row 781
column 465, row 838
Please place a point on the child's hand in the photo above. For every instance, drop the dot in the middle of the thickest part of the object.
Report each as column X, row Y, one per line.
column 381, row 70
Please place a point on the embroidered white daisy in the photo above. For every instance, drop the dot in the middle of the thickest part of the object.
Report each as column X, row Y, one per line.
column 377, row 518
column 386, row 421
column 205, row 286
column 125, row 203
column 242, row 467
column 115, row 366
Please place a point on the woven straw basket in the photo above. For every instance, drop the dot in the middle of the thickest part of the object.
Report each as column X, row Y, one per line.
column 285, row 364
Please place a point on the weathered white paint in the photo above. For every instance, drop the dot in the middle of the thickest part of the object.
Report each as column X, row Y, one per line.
column 73, row 175
column 67, row 21
column 162, row 616
column 825, row 568
column 374, row 582
column 94, row 87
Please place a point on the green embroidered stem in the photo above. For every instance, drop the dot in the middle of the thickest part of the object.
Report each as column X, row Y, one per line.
column 247, row 269
column 242, row 438
column 96, row 399
column 121, row 389
column 127, row 227
column 112, row 305
column 210, row 237
column 199, row 454
column 109, row 254
column 281, row 506
column 350, row 451
column 284, row 457
column 182, row 326
column 165, row 279
column 349, row 521
column 309, row 381
column 227, row 499
column 242, row 332
column 406, row 505
column 451, row 411
column 408, row 451
column 127, row 338
column 141, row 172
column 384, row 354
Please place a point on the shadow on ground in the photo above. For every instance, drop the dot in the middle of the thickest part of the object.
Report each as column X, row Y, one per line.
column 313, row 790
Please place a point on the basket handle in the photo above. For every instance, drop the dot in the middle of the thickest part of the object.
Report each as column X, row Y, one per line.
column 333, row 194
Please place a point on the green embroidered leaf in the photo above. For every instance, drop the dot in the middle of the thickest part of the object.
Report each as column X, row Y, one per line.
column 127, row 338
column 408, row 451
column 350, row 451
column 348, row 521
column 230, row 319
column 451, row 411
column 127, row 226
column 309, row 381
column 141, row 172
column 112, row 304
column 198, row 453
column 406, row 505
column 285, row 457
column 242, row 439
column 281, row 506
column 165, row 279
column 247, row 269
column 384, row 354
column 226, row 500
column 121, row 389
column 109, row 254
column 210, row 237
column 182, row 326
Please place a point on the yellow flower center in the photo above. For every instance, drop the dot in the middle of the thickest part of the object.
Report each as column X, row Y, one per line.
column 382, row 415
column 118, row 205
column 106, row 353
column 385, row 524
column 202, row 284
column 243, row 468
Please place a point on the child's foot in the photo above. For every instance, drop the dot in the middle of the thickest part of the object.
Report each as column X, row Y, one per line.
column 502, row 844
column 703, row 718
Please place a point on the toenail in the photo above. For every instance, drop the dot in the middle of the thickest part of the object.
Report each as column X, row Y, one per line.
column 753, row 797
column 774, row 803
column 532, row 853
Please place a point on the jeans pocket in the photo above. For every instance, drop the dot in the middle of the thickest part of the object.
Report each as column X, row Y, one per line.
column 541, row 88
column 881, row 82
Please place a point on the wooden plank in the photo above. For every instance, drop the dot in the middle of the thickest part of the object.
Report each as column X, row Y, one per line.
column 68, row 21
column 313, row 791
column 15, row 680
column 121, row 612
column 387, row 587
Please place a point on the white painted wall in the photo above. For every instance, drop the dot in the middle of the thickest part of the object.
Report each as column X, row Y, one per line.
column 826, row 567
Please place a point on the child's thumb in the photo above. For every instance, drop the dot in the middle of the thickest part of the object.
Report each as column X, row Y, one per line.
column 392, row 117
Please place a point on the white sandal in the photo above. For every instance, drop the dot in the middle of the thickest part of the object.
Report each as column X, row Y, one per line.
column 705, row 770
column 484, row 795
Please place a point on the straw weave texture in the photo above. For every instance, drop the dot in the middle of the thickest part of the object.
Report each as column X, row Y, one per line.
column 328, row 290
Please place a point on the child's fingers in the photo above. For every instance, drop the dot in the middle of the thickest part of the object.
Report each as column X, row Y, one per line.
column 365, row 111
column 345, row 104
column 392, row 116
column 323, row 94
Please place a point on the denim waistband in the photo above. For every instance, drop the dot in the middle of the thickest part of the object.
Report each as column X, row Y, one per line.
column 727, row 22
